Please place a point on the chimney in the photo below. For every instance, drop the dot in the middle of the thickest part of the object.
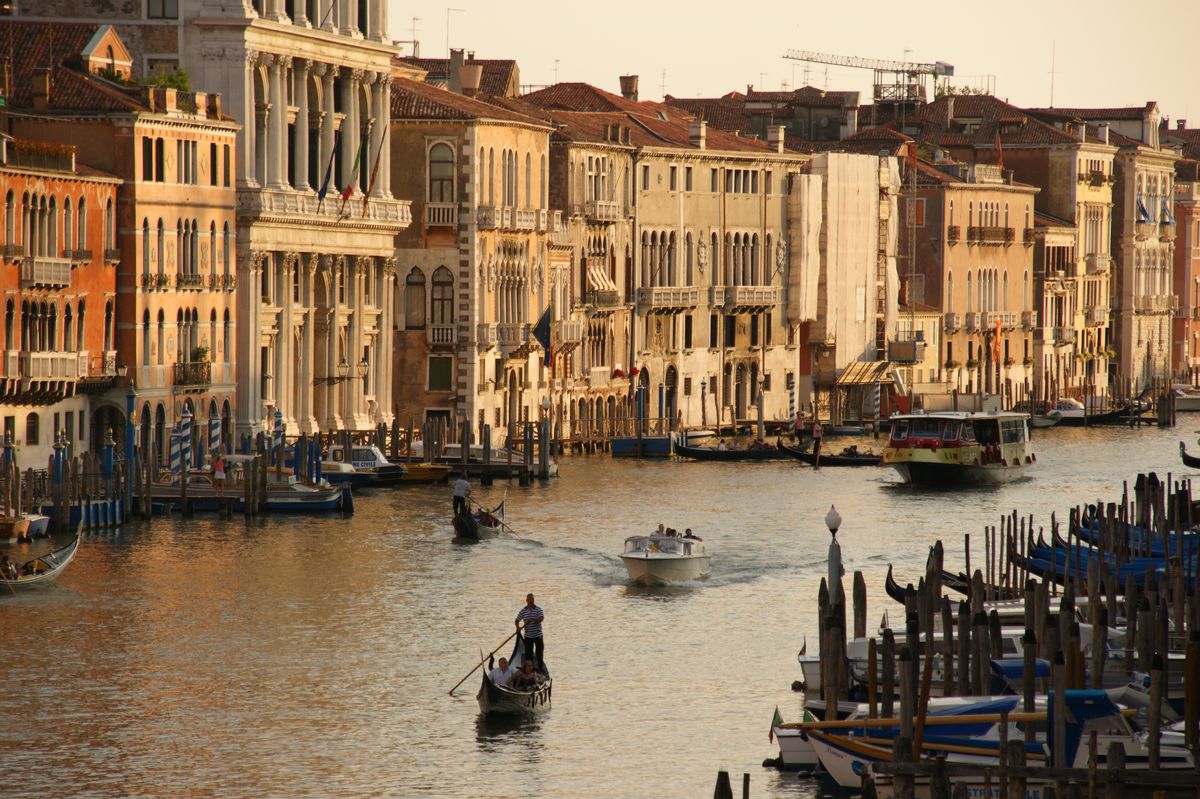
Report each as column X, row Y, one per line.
column 949, row 111
column 41, row 89
column 1104, row 132
column 214, row 106
column 453, row 82
column 1081, row 130
column 775, row 137
column 697, row 133
column 629, row 87
column 470, row 75
column 1150, row 119
column 1181, row 124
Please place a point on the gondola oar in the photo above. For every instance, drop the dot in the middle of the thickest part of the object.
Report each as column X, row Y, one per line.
column 483, row 660
column 495, row 518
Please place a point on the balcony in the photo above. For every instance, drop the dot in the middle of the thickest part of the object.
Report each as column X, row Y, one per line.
column 189, row 281
column 53, row 365
column 1096, row 178
column 78, row 256
column 1029, row 236
column 485, row 336
column 1002, row 319
column 974, row 321
column 512, row 335
column 1095, row 316
column 442, row 334
column 12, row 363
column 111, row 256
column 602, row 299
column 13, row 251
column 598, row 377
column 303, row 207
column 953, row 232
column 543, row 220
column 441, row 214
column 1166, row 231
column 1029, row 319
column 567, row 335
column 192, row 376
column 524, row 218
column 602, row 210
column 222, row 282
column 48, row 272
column 668, row 299
column 1063, row 335
column 744, row 299
column 151, row 280
column 951, row 322
column 1155, row 303
column 1145, row 230
column 1098, row 263
column 991, row 235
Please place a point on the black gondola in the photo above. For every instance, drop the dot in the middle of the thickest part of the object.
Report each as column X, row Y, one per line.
column 757, row 453
column 893, row 588
column 1188, row 460
column 494, row 698
column 831, row 459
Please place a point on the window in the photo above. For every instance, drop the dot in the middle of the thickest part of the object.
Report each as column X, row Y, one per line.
column 225, row 167
column 442, row 305
column 646, row 178
column 162, row 9
column 159, row 161
column 147, row 158
column 687, row 333
column 212, row 164
column 441, row 373
column 714, row 180
column 673, row 178
column 767, row 182
column 687, row 178
column 712, row 330
column 31, row 430
column 916, row 212
column 414, row 300
column 82, row 237
column 441, row 173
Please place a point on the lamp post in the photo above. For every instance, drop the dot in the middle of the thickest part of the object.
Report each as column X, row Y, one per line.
column 703, row 402
column 833, row 520
column 762, row 430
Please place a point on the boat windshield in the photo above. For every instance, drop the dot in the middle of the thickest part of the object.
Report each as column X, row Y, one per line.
column 900, row 431
column 654, row 544
column 1012, row 431
column 986, row 431
column 951, row 431
column 927, row 427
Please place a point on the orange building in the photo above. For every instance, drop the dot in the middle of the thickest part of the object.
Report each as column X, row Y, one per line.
column 59, row 285
column 174, row 237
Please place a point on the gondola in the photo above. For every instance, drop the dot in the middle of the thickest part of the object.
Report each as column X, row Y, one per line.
column 763, row 453
column 495, row 698
column 893, row 588
column 43, row 569
column 831, row 459
column 482, row 523
column 1188, row 460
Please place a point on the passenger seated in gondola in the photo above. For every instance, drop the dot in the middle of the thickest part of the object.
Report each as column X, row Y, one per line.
column 527, row 679
column 721, row 446
column 851, row 450
column 502, row 674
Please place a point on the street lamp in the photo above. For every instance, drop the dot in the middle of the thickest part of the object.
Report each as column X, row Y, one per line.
column 343, row 373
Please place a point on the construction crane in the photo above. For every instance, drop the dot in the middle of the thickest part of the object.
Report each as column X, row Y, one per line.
column 896, row 82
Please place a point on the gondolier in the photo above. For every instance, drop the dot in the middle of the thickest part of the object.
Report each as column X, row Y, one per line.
column 535, row 646
column 462, row 490
column 816, row 434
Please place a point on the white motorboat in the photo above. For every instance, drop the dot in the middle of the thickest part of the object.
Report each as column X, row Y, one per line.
column 656, row 559
column 39, row 525
column 1187, row 398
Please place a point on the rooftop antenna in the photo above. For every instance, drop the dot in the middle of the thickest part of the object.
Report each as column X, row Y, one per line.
column 448, row 10
column 416, row 45
column 556, row 70
column 1052, row 48
column 663, row 86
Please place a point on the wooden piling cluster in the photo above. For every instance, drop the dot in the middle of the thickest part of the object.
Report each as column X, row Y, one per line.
column 78, row 495
column 1158, row 610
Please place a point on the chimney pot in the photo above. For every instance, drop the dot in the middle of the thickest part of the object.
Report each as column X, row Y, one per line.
column 469, row 77
column 41, row 89
column 1082, row 131
column 1104, row 132
column 629, row 87
column 776, row 134
column 452, row 77
column 1181, row 124
column 697, row 133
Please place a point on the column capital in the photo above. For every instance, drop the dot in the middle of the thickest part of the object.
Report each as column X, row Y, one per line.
column 283, row 60
column 356, row 75
column 389, row 268
column 305, row 65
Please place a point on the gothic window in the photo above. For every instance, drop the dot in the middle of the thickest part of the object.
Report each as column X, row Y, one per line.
column 442, row 298
column 414, row 300
column 441, row 173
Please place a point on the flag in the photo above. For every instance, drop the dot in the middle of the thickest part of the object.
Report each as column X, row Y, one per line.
column 1142, row 214
column 996, row 343
column 999, row 150
column 349, row 189
column 776, row 720
column 328, row 176
column 912, row 155
column 541, row 332
column 374, row 172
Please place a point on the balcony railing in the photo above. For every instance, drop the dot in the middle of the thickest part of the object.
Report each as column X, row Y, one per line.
column 512, row 335
column 12, row 363
column 991, row 235
column 524, row 218
column 669, row 297
column 79, row 256
column 1029, row 319
column 12, row 251
column 485, row 336
column 1166, row 231
column 441, row 214
column 1095, row 316
column 1064, row 335
column 744, row 297
column 1003, row 319
column 598, row 377
column 1155, row 303
column 103, row 365
column 53, row 365
column 602, row 299
column 41, row 271
column 953, row 232
column 153, row 280
column 569, row 332
column 1096, row 178
column 1098, row 263
column 1029, row 236
column 602, row 210
column 222, row 282
column 442, row 334
column 194, row 374
column 304, row 206
column 951, row 322
column 111, row 256
column 559, row 234
column 974, row 320
column 1145, row 230
column 189, row 281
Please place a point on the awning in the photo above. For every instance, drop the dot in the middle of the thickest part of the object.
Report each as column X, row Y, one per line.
column 598, row 279
column 864, row 373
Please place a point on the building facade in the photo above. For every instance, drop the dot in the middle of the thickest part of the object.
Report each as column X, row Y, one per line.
column 1185, row 345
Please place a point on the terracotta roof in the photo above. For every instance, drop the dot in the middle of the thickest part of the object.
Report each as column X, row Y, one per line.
column 35, row 46
column 415, row 100
column 586, row 97
column 1043, row 219
column 869, row 141
column 720, row 112
column 977, row 119
column 1135, row 113
column 498, row 73
column 1187, row 170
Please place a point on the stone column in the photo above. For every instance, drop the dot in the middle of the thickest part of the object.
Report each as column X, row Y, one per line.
column 379, row 103
column 276, row 114
column 327, row 73
column 300, row 176
column 386, row 345
column 307, row 419
column 301, row 17
column 378, row 24
column 350, row 126
column 386, row 123
column 246, row 138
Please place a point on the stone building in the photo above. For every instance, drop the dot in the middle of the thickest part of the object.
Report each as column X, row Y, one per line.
column 309, row 80
column 58, row 279
column 1185, row 346
column 973, row 232
column 172, row 231
column 480, row 265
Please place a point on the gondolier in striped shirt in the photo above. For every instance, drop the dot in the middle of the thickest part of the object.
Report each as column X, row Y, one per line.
column 535, row 646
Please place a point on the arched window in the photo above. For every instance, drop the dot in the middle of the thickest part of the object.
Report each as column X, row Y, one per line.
column 491, row 177
column 52, row 229
column 108, row 326
column 528, row 180
column 212, row 248
column 145, row 246
column 161, row 250
column 79, row 325
column 82, row 237
column 542, row 183
column 10, row 218
column 442, row 299
column 9, row 314
column 162, row 336
column 227, row 338
column 146, row 337
column 414, row 299
column 226, row 262
column 68, row 225
column 68, row 328
column 441, row 173
column 110, row 227
column 949, row 292
column 31, row 430
column 970, row 294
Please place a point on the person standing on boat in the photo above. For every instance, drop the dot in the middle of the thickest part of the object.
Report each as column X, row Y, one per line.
column 816, row 433
column 535, row 646
column 218, row 465
column 462, row 490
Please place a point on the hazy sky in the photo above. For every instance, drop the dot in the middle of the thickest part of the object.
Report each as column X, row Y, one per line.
column 1105, row 52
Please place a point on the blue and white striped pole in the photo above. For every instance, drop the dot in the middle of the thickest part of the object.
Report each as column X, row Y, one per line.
column 185, row 438
column 174, row 456
column 278, row 431
column 214, row 434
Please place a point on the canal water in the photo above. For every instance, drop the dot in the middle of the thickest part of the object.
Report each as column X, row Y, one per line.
column 310, row 657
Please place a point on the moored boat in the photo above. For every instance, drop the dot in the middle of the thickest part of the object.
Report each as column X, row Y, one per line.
column 369, row 459
column 494, row 698
column 1188, row 460
column 42, row 569
column 846, row 457
column 954, row 447
column 14, row 528
column 1070, row 412
column 39, row 525
column 425, row 473
column 1043, row 421
column 755, row 452
column 657, row 559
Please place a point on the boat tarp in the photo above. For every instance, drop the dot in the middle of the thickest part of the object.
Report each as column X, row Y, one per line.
column 1014, row 668
column 866, row 373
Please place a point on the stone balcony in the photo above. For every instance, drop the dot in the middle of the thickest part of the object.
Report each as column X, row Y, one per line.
column 192, row 376
column 485, row 336
column 525, row 218
column 441, row 214
column 289, row 205
column 951, row 322
column 986, row 234
column 1002, row 319
column 1098, row 263
column 668, row 299
column 53, row 365
column 743, row 299
column 602, row 210
column 567, row 335
column 598, row 377
column 1029, row 319
column 974, row 320
column 442, row 335
column 1095, row 316
column 953, row 234
column 511, row 335
column 45, row 272
column 189, row 281
column 1155, row 303
column 1063, row 334
column 603, row 298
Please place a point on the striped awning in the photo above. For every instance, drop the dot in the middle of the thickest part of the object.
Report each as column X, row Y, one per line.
column 863, row 373
column 598, row 279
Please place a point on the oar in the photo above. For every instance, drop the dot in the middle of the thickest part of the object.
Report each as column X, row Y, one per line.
column 496, row 518
column 477, row 665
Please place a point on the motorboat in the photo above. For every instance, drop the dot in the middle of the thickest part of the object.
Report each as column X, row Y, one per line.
column 504, row 699
column 796, row 752
column 367, row 459
column 1187, row 399
column 14, row 528
column 42, row 569
column 425, row 473
column 39, row 525
column 1070, row 412
column 285, row 492
column 658, row 559
column 1043, row 421
column 954, row 447
column 342, row 473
